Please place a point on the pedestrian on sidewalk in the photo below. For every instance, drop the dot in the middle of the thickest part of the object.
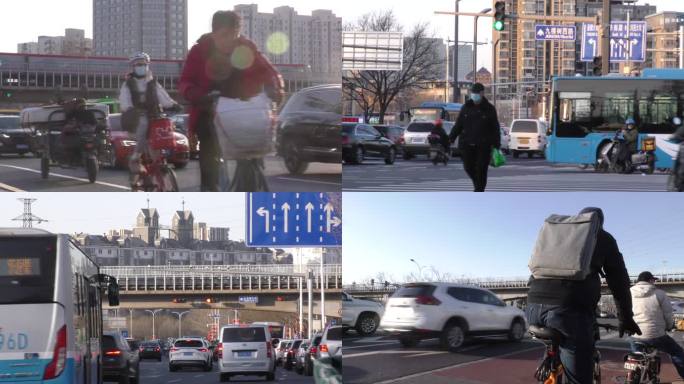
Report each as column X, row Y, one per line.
column 479, row 131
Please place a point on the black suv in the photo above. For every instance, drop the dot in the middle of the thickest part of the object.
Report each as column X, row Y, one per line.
column 119, row 362
column 309, row 128
column 360, row 141
column 151, row 350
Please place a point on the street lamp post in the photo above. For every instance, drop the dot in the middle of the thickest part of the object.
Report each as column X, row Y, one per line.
column 486, row 10
column 180, row 317
column 456, row 96
column 420, row 269
column 154, row 314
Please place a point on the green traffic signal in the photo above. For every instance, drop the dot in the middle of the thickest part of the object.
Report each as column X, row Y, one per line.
column 499, row 15
column 499, row 25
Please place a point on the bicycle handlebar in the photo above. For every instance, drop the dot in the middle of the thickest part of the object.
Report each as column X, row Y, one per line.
column 607, row 327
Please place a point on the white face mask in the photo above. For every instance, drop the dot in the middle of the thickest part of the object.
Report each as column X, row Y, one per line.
column 141, row 70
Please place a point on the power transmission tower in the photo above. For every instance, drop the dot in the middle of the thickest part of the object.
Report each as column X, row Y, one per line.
column 27, row 217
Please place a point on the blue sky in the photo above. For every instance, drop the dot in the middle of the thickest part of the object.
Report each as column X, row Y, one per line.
column 492, row 235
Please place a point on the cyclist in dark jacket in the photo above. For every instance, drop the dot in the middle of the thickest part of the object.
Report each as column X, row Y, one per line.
column 570, row 306
column 438, row 129
column 478, row 128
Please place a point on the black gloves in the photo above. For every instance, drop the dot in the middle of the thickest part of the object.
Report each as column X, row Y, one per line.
column 629, row 327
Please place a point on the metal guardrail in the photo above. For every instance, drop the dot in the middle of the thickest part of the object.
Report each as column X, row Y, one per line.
column 203, row 279
column 507, row 283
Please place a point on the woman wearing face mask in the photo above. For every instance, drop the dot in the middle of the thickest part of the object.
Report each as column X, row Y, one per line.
column 140, row 99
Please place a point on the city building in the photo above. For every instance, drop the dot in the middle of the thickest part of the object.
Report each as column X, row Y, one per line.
column 519, row 57
column 289, row 38
column 219, row 234
column 465, row 61
column 483, row 76
column 201, row 232
column 182, row 226
column 73, row 43
column 664, row 38
column 158, row 27
column 147, row 226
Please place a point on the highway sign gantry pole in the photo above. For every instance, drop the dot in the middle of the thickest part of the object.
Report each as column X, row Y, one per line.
column 457, row 91
column 605, row 37
column 309, row 284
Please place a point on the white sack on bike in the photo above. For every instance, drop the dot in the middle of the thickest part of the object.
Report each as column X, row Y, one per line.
column 243, row 128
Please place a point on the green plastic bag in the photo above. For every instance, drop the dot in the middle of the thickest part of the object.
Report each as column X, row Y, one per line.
column 498, row 158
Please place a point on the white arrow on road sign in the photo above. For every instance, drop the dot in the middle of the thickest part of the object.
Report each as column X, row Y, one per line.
column 540, row 33
column 593, row 45
column 265, row 213
column 286, row 209
column 328, row 211
column 309, row 207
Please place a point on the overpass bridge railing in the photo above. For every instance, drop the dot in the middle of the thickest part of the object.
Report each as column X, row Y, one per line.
column 204, row 279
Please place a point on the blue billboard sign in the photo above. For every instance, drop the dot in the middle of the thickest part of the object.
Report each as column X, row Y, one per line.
column 248, row 299
column 555, row 32
column 305, row 219
column 624, row 45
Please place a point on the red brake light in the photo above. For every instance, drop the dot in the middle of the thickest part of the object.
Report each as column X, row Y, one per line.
column 56, row 366
column 113, row 352
column 174, row 349
column 220, row 350
column 269, row 350
column 157, row 349
column 142, row 349
column 324, row 348
column 345, row 139
column 313, row 350
column 203, row 350
column 427, row 300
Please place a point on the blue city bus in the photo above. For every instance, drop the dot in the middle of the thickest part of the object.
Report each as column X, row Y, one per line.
column 586, row 112
column 433, row 110
column 50, row 309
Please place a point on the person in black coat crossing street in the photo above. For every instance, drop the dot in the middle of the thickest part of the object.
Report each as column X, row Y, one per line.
column 479, row 131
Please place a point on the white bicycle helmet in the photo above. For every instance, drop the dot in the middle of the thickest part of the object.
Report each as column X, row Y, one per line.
column 138, row 57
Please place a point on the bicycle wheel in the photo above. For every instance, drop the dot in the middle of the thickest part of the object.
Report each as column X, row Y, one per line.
column 168, row 182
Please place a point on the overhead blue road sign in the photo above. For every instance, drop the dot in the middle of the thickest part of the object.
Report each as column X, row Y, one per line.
column 124, row 333
column 624, row 46
column 294, row 219
column 555, row 32
column 248, row 299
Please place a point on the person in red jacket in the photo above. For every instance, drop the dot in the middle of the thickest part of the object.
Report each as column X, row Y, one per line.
column 223, row 62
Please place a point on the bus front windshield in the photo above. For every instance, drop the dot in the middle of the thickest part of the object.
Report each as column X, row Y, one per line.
column 583, row 107
column 27, row 270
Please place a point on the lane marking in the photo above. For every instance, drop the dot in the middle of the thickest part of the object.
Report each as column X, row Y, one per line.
column 67, row 177
column 370, row 345
column 427, row 354
column 10, row 188
column 304, row 180
column 399, row 379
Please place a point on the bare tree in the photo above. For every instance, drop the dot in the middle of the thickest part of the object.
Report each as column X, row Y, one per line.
column 375, row 91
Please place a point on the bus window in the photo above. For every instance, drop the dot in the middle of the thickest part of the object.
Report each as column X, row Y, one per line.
column 27, row 270
column 656, row 111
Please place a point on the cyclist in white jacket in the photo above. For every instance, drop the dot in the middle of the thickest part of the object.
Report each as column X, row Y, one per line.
column 653, row 313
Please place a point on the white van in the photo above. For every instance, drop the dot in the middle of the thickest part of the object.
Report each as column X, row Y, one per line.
column 246, row 350
column 527, row 136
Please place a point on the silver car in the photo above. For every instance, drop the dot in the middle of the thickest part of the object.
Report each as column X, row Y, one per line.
column 280, row 350
column 190, row 352
column 247, row 350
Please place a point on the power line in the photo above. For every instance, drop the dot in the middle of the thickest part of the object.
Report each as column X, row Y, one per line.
column 27, row 218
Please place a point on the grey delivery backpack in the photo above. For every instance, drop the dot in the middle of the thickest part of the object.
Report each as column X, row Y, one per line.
column 565, row 247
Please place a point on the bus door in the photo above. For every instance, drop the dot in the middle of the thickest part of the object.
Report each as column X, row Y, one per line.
column 33, row 331
column 570, row 142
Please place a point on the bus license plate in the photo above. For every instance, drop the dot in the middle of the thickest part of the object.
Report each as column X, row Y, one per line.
column 631, row 366
column 244, row 354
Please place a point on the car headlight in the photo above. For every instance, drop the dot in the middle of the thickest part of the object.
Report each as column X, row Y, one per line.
column 182, row 142
column 128, row 143
column 4, row 136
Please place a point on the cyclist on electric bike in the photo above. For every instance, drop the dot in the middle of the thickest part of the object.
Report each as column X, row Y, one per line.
column 569, row 306
column 630, row 134
column 140, row 99
column 653, row 314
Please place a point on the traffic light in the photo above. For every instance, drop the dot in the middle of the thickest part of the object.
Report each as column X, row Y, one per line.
column 499, row 15
column 598, row 66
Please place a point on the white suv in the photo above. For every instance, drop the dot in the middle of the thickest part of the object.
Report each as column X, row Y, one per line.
column 190, row 352
column 246, row 350
column 362, row 315
column 450, row 312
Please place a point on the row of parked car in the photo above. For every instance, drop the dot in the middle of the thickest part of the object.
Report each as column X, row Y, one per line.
column 362, row 141
column 447, row 311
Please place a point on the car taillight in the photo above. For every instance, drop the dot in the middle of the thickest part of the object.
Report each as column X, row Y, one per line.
column 220, row 350
column 157, row 349
column 427, row 300
column 324, row 348
column 56, row 365
column 203, row 350
column 345, row 140
column 142, row 349
column 113, row 352
column 313, row 350
column 269, row 350
column 174, row 349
